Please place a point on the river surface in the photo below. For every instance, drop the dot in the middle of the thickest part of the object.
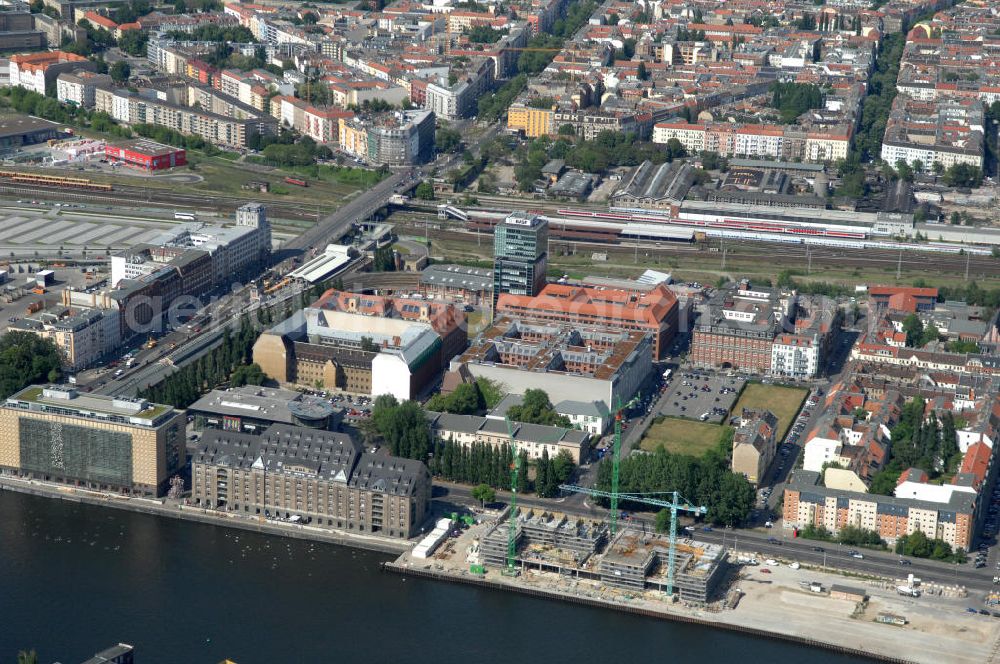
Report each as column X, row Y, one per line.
column 75, row 579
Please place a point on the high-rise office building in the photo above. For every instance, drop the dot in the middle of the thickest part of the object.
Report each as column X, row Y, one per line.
column 520, row 251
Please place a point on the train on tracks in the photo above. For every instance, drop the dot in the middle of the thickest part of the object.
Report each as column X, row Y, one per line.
column 36, row 179
column 702, row 221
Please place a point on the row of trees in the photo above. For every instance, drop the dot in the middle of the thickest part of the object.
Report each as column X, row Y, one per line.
column 26, row 359
column 229, row 361
column 476, row 464
column 705, row 481
column 237, row 34
column 404, row 428
column 849, row 535
column 918, row 545
column 539, row 53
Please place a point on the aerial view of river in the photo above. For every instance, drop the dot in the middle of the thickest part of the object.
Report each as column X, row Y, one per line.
column 75, row 579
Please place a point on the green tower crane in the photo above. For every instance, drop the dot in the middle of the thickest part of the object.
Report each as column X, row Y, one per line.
column 616, row 457
column 515, row 467
column 615, row 495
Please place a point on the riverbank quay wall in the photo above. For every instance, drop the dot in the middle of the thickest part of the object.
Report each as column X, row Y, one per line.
column 199, row 515
column 395, row 567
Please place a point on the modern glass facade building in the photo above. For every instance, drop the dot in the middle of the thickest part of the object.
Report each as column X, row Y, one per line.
column 520, row 255
column 57, row 434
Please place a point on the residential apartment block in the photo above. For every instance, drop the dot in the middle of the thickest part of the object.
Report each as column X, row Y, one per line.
column 398, row 138
column 36, row 71
column 78, row 87
column 945, row 132
column 758, row 141
column 807, row 502
column 85, row 337
column 318, row 477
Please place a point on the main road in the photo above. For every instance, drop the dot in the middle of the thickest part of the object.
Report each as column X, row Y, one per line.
column 769, row 544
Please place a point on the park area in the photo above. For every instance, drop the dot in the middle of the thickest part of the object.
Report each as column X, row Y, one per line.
column 694, row 438
column 782, row 400
column 681, row 436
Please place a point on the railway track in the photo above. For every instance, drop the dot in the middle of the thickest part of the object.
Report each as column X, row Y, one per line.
column 780, row 256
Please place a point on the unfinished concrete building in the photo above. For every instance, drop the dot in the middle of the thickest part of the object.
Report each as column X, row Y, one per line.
column 634, row 561
column 638, row 561
column 546, row 538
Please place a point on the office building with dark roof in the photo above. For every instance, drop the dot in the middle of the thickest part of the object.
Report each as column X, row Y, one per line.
column 311, row 476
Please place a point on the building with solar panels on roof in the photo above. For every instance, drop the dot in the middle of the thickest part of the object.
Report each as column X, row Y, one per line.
column 305, row 475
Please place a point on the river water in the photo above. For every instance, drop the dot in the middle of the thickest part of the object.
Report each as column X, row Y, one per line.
column 75, row 579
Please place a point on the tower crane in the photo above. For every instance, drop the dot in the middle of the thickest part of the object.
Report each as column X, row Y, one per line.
column 675, row 505
column 616, row 456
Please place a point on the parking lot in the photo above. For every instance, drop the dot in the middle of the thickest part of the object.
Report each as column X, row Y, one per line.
column 702, row 396
column 789, row 451
column 988, row 553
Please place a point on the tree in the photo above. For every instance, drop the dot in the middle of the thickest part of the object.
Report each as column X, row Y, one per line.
column 447, row 140
column 641, row 72
column 535, row 408
column 567, row 130
column 963, row 175
column 248, row 374
column 662, row 521
column 562, row 467
column 484, row 493
column 914, row 329
column 384, row 260
column 424, row 191
column 491, row 392
column 403, row 426
column 134, row 42
column 794, row 99
column 26, row 359
column 464, row 400
column 930, row 334
column 962, row 346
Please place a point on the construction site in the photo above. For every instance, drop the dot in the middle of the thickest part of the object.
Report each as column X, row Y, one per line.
column 550, row 554
column 632, row 561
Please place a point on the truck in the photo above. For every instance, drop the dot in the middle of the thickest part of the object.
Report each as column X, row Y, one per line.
column 908, row 591
column 34, row 306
